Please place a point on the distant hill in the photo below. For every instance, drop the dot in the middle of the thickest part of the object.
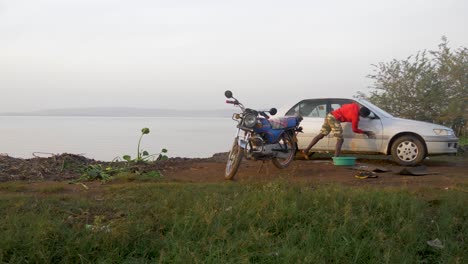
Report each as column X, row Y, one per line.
column 126, row 112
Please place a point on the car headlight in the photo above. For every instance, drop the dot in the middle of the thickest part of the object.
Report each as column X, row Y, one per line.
column 250, row 120
column 443, row 132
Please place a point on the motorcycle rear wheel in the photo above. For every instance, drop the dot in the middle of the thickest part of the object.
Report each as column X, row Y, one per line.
column 234, row 160
column 288, row 142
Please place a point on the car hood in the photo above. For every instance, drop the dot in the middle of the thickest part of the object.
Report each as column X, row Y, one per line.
column 415, row 123
column 395, row 125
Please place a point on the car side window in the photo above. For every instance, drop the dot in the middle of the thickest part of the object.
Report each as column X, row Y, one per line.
column 293, row 111
column 334, row 107
column 309, row 108
column 335, row 104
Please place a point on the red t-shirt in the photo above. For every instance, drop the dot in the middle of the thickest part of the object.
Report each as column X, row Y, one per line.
column 349, row 113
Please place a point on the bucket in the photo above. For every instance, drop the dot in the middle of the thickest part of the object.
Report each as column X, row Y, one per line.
column 344, row 161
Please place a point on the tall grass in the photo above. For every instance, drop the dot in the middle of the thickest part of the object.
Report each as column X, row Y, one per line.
column 276, row 222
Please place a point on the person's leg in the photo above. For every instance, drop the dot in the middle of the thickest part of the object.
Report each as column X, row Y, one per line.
column 325, row 130
column 338, row 134
column 339, row 144
column 313, row 142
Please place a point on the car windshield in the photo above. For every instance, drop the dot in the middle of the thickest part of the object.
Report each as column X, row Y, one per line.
column 377, row 109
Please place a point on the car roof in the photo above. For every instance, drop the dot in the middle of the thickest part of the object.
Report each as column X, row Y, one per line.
column 362, row 101
column 331, row 98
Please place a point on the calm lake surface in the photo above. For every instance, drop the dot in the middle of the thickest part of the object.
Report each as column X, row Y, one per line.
column 105, row 138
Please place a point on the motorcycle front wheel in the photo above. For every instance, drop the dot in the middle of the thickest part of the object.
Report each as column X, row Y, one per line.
column 290, row 147
column 234, row 160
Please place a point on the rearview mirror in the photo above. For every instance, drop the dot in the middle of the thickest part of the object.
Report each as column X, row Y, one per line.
column 228, row 94
column 273, row 111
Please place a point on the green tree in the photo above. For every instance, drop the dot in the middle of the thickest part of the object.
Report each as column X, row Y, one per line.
column 429, row 86
column 452, row 72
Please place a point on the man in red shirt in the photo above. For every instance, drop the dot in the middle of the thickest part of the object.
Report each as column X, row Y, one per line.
column 346, row 113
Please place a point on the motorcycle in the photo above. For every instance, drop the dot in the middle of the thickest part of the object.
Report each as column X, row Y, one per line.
column 260, row 137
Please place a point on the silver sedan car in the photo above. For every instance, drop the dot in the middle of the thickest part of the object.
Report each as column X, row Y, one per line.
column 408, row 141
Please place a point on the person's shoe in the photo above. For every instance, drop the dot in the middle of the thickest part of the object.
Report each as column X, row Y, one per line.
column 304, row 154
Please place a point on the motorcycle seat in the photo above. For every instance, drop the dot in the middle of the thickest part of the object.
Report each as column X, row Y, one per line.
column 283, row 122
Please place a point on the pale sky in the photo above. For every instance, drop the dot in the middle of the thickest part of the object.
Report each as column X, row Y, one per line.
column 185, row 53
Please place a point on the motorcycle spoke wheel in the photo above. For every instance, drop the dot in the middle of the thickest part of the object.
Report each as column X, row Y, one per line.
column 234, row 160
column 288, row 144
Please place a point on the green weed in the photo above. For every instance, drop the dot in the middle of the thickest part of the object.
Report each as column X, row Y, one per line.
column 97, row 172
column 143, row 155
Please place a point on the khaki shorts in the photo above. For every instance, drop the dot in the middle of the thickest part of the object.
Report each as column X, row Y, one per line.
column 331, row 124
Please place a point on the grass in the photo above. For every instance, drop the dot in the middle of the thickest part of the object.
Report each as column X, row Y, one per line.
column 275, row 222
column 463, row 140
column 55, row 187
column 12, row 186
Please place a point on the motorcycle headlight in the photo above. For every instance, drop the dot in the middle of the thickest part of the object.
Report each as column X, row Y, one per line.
column 250, row 120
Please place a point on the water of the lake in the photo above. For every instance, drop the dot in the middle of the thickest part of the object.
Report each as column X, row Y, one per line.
column 105, row 138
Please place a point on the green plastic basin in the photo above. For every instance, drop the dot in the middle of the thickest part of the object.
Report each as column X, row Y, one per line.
column 344, row 161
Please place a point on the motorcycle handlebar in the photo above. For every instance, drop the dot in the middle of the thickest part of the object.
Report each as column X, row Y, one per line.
column 264, row 115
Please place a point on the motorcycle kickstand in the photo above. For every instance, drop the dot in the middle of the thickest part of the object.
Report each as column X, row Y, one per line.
column 261, row 167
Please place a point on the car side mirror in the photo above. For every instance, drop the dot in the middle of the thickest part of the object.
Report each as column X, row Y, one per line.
column 372, row 116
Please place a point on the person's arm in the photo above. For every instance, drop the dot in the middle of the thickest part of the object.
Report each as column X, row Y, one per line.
column 369, row 134
column 355, row 123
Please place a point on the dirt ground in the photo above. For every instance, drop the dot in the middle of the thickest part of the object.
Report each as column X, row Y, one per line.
column 442, row 172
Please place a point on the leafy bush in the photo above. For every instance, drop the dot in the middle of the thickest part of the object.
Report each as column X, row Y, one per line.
column 97, row 172
column 463, row 141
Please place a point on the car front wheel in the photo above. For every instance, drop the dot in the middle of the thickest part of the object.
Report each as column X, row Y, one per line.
column 408, row 151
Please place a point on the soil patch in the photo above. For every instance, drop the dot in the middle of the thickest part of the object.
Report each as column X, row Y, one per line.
column 443, row 173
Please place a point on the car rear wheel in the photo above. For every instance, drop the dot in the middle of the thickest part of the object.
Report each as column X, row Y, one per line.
column 408, row 151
